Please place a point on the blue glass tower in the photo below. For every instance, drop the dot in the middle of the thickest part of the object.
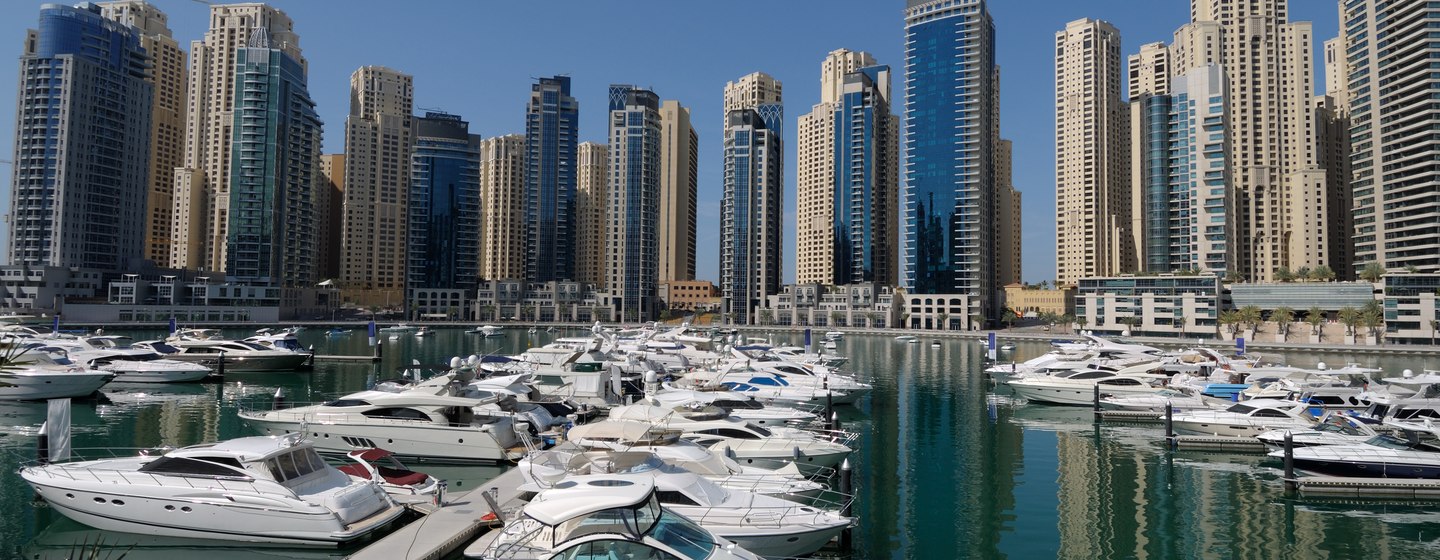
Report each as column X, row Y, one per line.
column 274, row 169
column 444, row 221
column 864, row 194
column 750, row 212
column 552, row 124
column 949, row 206
column 632, row 245
column 82, row 143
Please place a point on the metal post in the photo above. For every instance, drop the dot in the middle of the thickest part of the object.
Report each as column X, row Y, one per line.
column 1290, row 483
column 279, row 401
column 847, row 487
column 835, row 422
column 829, row 402
column 42, row 444
column 1095, row 403
column 492, row 501
column 221, row 366
column 1170, row 424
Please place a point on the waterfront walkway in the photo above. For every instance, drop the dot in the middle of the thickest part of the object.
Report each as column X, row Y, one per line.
column 445, row 529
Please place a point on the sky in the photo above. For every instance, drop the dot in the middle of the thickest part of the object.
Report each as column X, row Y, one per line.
column 478, row 59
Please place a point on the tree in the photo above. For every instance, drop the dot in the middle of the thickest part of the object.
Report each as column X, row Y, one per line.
column 836, row 317
column 1008, row 319
column 1233, row 277
column 1180, row 319
column 1251, row 316
column 870, row 318
column 1316, row 317
column 944, row 319
column 1411, row 269
column 1082, row 321
column 1066, row 319
column 1230, row 318
column 1372, row 272
column 1372, row 317
column 1283, row 274
column 1303, row 273
column 1283, row 316
column 1322, row 273
column 1350, row 317
column 1434, row 325
column 766, row 316
column 487, row 312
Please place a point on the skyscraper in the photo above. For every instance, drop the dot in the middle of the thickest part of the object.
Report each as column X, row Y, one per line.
column 592, row 200
column 1390, row 48
column 1092, row 191
column 1149, row 70
column 82, row 143
column 948, row 229
column 1273, row 161
column 502, row 208
column 200, row 221
column 166, row 75
column 274, row 169
column 444, row 208
column 752, row 203
column 379, row 135
column 552, row 130
column 330, row 216
column 847, row 194
column 1009, row 228
column 632, row 241
column 679, row 183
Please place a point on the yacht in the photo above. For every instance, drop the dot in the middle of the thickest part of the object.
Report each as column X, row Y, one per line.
column 399, row 328
column 42, row 375
column 772, row 447
column 423, row 332
column 1245, row 419
column 487, row 331
column 602, row 517
column 1381, row 456
column 731, row 403
column 1333, row 429
column 130, row 364
column 240, row 356
column 253, row 489
column 409, row 424
column 765, row 525
column 1078, row 387
column 622, row 436
column 1179, row 398
column 907, row 338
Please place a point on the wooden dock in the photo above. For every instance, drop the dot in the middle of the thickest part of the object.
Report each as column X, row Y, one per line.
column 444, row 529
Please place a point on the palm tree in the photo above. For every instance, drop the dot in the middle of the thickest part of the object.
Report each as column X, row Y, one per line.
column 1283, row 316
column 1372, row 317
column 1322, row 273
column 1316, row 317
column 1350, row 317
column 1008, row 319
column 766, row 316
column 870, row 318
column 1082, row 321
column 1283, row 274
column 1231, row 318
column 1233, row 277
column 836, row 317
column 1372, row 272
column 1434, row 324
column 1251, row 316
column 944, row 319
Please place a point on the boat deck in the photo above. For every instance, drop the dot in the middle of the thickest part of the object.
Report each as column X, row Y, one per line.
column 446, row 528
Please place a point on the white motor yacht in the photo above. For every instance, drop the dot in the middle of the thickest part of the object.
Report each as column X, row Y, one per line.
column 1245, row 419
column 1333, row 429
column 907, row 338
column 33, row 374
column 619, row 435
column 772, row 447
column 1381, row 456
column 487, row 331
column 423, row 332
column 399, row 328
column 240, row 356
column 600, row 518
column 254, row 489
column 769, row 526
column 130, row 364
column 1078, row 387
column 734, row 404
column 1179, row 398
column 408, row 424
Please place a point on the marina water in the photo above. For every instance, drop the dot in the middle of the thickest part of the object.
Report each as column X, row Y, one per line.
column 947, row 465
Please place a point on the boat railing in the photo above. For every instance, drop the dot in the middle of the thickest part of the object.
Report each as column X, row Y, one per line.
column 842, row 437
column 71, row 470
column 768, row 517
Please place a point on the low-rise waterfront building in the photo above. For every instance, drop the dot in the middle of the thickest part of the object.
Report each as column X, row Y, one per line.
column 1412, row 307
column 690, row 295
column 868, row 304
column 517, row 300
column 1163, row 305
column 1031, row 300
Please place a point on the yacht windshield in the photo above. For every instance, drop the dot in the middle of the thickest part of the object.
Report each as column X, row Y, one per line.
column 1387, row 442
column 683, row 535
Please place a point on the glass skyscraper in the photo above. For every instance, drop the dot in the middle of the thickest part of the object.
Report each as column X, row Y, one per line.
column 865, row 179
column 552, row 124
column 632, row 241
column 949, row 225
column 274, row 169
column 444, row 209
column 750, row 212
column 82, row 143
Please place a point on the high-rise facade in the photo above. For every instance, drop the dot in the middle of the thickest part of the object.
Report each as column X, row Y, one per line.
column 330, row 216
column 552, row 130
column 632, row 239
column 1272, row 138
column 379, row 137
column 948, row 226
column 166, row 75
column 1149, row 70
column 592, row 200
column 502, row 207
column 444, row 208
column 1390, row 47
column 1092, row 191
column 846, row 199
column 679, row 185
column 200, row 220
column 274, row 170
column 82, row 143
column 1009, row 230
column 752, row 202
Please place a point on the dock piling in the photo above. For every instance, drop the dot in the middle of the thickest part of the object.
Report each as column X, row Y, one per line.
column 847, row 487
column 1290, row 484
column 1095, row 403
column 278, row 403
column 1170, row 424
column 220, row 367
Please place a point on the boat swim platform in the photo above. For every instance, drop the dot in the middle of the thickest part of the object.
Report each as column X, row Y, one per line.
column 446, row 528
column 1214, row 443
column 1360, row 487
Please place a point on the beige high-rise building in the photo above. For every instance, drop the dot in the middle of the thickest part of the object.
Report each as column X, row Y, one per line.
column 199, row 223
column 592, row 175
column 1149, row 70
column 330, row 216
column 750, row 91
column 502, row 208
column 1092, row 173
column 167, row 117
column 815, row 171
column 679, row 184
column 379, row 136
column 1007, row 217
column 1273, row 161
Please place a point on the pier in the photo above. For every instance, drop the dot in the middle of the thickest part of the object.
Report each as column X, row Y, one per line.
column 445, row 528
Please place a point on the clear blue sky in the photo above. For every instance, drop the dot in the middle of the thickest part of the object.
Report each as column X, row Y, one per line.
column 477, row 59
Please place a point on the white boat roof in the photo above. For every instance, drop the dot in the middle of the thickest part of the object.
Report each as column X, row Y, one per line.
column 621, row 430
column 245, row 449
column 1425, row 379
column 643, row 413
column 583, row 495
column 413, row 398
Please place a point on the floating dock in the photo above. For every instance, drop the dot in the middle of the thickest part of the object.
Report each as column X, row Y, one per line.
column 1356, row 487
column 1130, row 416
column 345, row 358
column 446, row 528
column 1215, row 443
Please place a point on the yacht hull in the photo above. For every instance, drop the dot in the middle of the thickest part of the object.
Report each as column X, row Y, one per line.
column 124, row 375
column 421, row 442
column 26, row 387
column 1075, row 395
column 778, row 542
column 246, row 364
column 1367, row 469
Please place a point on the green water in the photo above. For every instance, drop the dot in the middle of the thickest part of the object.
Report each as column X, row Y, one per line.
column 946, row 468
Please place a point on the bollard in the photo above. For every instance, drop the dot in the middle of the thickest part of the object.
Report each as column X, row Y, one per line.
column 220, row 368
column 278, row 403
column 835, row 422
column 1290, row 483
column 440, row 494
column 493, row 502
column 847, row 487
column 825, row 386
column 378, row 344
